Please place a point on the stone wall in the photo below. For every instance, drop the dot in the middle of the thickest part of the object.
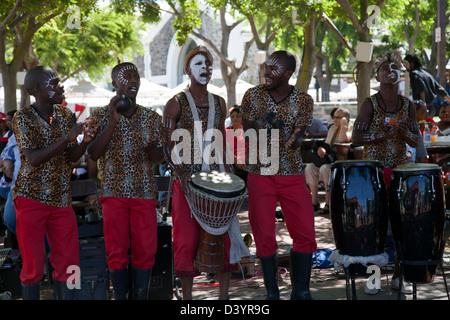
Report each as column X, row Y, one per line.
column 322, row 109
column 159, row 48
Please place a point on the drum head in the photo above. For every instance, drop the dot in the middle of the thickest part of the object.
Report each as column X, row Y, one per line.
column 417, row 167
column 355, row 163
column 218, row 183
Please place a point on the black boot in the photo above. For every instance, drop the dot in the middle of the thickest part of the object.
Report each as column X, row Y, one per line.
column 31, row 292
column 141, row 282
column 300, row 275
column 270, row 270
column 62, row 292
column 119, row 279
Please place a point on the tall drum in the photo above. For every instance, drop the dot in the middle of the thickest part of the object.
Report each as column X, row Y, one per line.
column 358, row 207
column 215, row 200
column 417, row 217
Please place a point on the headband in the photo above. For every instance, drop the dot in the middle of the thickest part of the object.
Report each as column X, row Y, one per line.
column 195, row 51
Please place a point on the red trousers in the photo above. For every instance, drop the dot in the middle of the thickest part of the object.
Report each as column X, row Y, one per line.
column 130, row 221
column 387, row 174
column 186, row 236
column 35, row 220
column 296, row 205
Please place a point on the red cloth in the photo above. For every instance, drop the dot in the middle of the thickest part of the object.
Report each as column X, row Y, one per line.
column 130, row 221
column 186, row 235
column 296, row 204
column 35, row 220
column 239, row 144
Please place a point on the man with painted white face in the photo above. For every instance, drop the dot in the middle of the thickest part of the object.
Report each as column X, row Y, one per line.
column 126, row 149
column 280, row 114
column 185, row 111
column 46, row 136
column 386, row 121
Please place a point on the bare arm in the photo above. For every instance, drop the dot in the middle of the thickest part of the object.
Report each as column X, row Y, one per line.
column 170, row 116
column 223, row 107
column 36, row 157
column 409, row 128
column 344, row 136
column 360, row 134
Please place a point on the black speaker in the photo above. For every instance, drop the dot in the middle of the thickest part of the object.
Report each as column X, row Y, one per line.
column 162, row 282
column 93, row 269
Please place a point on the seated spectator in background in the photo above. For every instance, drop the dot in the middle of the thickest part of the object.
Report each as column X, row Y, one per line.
column 444, row 116
column 11, row 162
column 422, row 115
column 228, row 120
column 339, row 132
column 3, row 127
column 317, row 129
column 330, row 123
column 234, row 136
column 8, row 118
column 444, row 129
column 421, row 155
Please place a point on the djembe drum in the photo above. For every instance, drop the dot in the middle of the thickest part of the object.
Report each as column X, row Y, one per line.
column 215, row 200
column 358, row 207
column 417, row 216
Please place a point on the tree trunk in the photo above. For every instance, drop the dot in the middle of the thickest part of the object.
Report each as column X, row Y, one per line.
column 324, row 82
column 363, row 74
column 309, row 55
column 231, row 90
column 9, row 87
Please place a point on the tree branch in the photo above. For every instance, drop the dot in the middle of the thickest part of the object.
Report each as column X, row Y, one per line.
column 336, row 31
column 10, row 17
column 351, row 14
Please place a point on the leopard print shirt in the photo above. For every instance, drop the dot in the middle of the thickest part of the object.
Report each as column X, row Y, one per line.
column 293, row 111
column 125, row 169
column 186, row 121
column 48, row 183
column 390, row 152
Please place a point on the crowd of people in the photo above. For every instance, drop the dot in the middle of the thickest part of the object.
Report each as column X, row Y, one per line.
column 124, row 141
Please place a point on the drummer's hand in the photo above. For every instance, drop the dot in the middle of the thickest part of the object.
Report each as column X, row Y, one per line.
column 293, row 142
column 185, row 178
column 403, row 127
column 321, row 152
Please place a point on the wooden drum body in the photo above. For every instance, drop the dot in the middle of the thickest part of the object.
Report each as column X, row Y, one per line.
column 215, row 200
column 417, row 215
column 358, row 207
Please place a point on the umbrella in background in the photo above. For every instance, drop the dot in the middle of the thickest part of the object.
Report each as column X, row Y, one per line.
column 85, row 93
column 152, row 94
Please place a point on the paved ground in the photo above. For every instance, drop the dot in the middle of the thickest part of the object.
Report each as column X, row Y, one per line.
column 326, row 283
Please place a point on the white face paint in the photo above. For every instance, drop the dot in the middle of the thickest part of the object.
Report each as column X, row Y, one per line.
column 389, row 73
column 395, row 73
column 201, row 68
column 120, row 75
column 50, row 83
column 276, row 67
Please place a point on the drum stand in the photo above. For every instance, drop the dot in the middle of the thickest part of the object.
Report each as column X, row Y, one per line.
column 414, row 284
column 350, row 276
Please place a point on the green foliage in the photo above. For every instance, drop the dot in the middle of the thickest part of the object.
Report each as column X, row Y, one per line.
column 104, row 37
column 187, row 20
column 148, row 13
